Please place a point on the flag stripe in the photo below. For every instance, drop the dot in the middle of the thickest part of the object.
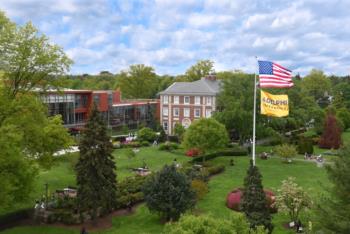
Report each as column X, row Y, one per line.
column 273, row 85
column 274, row 77
column 277, row 65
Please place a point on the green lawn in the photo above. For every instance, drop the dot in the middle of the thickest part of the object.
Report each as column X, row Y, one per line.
column 273, row 170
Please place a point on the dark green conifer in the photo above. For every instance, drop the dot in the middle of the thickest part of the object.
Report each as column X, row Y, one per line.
column 95, row 170
column 254, row 202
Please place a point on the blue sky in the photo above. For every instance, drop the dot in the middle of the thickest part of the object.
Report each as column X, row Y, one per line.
column 171, row 35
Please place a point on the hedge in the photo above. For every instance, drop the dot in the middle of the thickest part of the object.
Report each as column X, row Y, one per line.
column 227, row 152
column 7, row 219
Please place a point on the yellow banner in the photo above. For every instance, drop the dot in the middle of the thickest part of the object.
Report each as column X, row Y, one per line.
column 274, row 105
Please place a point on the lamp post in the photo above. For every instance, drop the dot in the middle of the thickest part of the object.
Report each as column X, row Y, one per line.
column 46, row 194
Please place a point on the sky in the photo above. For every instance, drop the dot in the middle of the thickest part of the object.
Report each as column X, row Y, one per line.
column 172, row 35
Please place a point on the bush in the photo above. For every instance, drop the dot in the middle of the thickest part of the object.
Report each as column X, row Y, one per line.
column 213, row 170
column 146, row 134
column 200, row 187
column 145, row 143
column 193, row 173
column 129, row 191
column 235, row 223
column 286, row 152
column 227, row 152
column 132, row 144
column 169, row 193
column 305, row 145
column 15, row 216
column 174, row 139
column 168, row 146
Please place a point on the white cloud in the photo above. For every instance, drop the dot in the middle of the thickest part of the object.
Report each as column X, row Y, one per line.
column 172, row 35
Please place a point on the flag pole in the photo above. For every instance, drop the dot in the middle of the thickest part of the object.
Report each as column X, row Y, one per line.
column 254, row 118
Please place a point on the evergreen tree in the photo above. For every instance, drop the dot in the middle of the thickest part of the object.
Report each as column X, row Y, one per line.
column 169, row 193
column 96, row 178
column 254, row 202
column 334, row 210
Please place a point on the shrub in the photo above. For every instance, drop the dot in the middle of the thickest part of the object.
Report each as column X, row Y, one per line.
column 200, row 187
column 235, row 223
column 213, row 170
column 145, row 143
column 194, row 173
column 129, row 191
column 227, row 152
column 146, row 134
column 163, row 190
column 132, row 144
column 168, row 146
column 305, row 145
column 286, row 151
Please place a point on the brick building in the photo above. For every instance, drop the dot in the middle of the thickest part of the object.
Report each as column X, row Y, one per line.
column 75, row 105
column 184, row 102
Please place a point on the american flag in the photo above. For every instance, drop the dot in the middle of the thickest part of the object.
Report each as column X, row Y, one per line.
column 273, row 75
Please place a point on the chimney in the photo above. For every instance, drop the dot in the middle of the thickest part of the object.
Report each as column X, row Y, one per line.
column 211, row 77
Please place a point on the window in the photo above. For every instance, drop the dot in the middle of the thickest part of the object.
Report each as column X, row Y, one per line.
column 208, row 113
column 97, row 99
column 186, row 112
column 208, row 100
column 165, row 111
column 197, row 100
column 165, row 99
column 176, row 112
column 165, row 126
column 197, row 113
column 186, row 100
column 176, row 99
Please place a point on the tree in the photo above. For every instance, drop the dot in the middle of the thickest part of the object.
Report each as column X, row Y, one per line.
column 343, row 114
column 234, row 224
column 28, row 59
column 286, row 151
column 95, row 170
column 169, row 193
column 17, row 173
column 179, row 131
column 201, row 69
column 138, row 82
column 333, row 210
column 207, row 135
column 316, row 84
column 292, row 199
column 254, row 202
column 331, row 137
column 146, row 134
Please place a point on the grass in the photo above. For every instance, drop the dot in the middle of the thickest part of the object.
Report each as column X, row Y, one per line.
column 273, row 170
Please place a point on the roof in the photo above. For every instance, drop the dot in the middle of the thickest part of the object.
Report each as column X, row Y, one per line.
column 200, row 87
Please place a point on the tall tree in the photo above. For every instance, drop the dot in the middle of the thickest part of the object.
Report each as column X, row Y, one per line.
column 334, row 209
column 201, row 69
column 207, row 135
column 254, row 202
column 138, row 82
column 95, row 170
column 28, row 59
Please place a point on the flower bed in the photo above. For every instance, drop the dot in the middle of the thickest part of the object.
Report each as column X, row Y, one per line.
column 233, row 199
